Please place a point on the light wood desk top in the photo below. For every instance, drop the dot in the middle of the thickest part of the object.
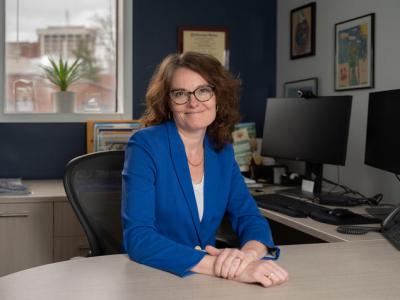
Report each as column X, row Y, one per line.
column 353, row 270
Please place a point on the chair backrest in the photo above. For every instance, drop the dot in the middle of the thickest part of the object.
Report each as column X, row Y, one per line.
column 93, row 186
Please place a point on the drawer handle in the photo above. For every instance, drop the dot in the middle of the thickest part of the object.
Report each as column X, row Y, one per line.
column 83, row 247
column 14, row 215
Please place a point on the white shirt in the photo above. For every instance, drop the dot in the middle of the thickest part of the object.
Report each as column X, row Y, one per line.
column 199, row 195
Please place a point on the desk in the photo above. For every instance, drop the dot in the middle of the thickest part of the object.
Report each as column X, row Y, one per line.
column 325, row 232
column 353, row 270
column 38, row 228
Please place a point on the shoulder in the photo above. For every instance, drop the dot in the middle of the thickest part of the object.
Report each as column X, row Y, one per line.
column 150, row 135
column 226, row 154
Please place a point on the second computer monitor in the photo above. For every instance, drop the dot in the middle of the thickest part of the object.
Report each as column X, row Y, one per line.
column 311, row 130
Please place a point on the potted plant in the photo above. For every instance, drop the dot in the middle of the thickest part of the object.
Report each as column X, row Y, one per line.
column 62, row 74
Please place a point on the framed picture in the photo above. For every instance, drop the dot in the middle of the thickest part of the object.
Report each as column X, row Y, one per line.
column 208, row 40
column 103, row 135
column 302, row 31
column 354, row 53
column 306, row 88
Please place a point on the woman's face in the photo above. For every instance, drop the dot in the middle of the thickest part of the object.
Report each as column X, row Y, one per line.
column 193, row 116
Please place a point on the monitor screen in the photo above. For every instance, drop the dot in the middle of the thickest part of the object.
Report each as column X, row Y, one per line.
column 383, row 126
column 312, row 130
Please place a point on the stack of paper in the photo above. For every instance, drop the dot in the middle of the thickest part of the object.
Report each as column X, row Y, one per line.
column 12, row 186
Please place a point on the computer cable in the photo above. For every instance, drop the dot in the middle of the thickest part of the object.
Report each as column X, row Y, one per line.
column 354, row 229
column 375, row 200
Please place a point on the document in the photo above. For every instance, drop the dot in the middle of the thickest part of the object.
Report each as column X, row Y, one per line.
column 13, row 186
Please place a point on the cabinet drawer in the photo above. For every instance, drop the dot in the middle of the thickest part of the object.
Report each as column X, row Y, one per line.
column 68, row 247
column 26, row 236
column 65, row 221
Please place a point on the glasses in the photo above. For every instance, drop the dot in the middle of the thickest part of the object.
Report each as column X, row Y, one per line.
column 202, row 94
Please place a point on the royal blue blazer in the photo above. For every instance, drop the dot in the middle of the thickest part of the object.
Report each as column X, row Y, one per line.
column 161, row 225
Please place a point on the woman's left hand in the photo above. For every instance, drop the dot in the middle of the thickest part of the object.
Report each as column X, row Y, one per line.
column 230, row 262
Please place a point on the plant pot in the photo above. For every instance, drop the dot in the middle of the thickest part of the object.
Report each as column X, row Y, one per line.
column 64, row 101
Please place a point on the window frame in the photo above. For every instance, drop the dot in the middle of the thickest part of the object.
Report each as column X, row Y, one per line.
column 124, row 75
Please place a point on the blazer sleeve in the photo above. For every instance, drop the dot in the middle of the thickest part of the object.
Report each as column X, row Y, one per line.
column 143, row 243
column 245, row 217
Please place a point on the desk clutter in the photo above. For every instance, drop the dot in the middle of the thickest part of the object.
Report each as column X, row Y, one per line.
column 300, row 208
column 12, row 186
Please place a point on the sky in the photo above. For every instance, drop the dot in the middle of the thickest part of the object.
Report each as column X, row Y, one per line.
column 34, row 14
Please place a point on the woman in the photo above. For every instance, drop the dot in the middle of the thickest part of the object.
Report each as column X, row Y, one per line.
column 180, row 178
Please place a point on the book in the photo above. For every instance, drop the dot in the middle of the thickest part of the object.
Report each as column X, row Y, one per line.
column 13, row 186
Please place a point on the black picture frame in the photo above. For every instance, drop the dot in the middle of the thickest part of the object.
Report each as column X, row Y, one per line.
column 355, row 53
column 302, row 31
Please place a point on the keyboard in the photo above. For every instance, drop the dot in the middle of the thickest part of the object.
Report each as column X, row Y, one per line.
column 286, row 205
column 379, row 212
column 298, row 208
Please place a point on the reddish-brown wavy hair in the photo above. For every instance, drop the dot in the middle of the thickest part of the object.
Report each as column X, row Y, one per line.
column 226, row 91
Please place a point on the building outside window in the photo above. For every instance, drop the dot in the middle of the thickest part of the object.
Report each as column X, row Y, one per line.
column 35, row 31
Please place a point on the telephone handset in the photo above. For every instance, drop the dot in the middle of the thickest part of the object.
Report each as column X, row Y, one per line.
column 391, row 227
column 391, row 219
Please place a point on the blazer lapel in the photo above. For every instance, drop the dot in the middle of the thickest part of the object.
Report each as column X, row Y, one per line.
column 180, row 164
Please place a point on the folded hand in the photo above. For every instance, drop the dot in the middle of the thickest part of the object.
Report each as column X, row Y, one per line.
column 230, row 262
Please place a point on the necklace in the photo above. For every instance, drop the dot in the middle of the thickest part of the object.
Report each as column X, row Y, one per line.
column 193, row 164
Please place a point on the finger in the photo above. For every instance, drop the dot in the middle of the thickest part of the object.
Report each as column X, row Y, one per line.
column 243, row 265
column 220, row 260
column 212, row 250
column 275, row 274
column 234, row 267
column 227, row 265
column 263, row 280
column 278, row 272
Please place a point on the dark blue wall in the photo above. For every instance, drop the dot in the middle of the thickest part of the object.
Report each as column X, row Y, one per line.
column 41, row 150
column 252, row 44
column 37, row 151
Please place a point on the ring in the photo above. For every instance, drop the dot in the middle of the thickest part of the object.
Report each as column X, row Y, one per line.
column 269, row 276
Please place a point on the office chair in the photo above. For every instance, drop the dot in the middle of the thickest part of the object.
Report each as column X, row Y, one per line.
column 93, row 186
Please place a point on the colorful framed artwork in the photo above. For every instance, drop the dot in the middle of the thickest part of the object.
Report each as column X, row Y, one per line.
column 207, row 40
column 354, row 53
column 103, row 135
column 302, row 31
column 306, row 88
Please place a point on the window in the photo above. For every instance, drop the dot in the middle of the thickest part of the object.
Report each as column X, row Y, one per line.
column 98, row 32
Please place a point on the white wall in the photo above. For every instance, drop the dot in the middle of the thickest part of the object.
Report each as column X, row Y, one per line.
column 355, row 173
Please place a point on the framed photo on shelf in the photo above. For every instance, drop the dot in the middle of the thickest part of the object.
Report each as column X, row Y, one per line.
column 302, row 31
column 354, row 53
column 301, row 88
column 104, row 135
column 207, row 40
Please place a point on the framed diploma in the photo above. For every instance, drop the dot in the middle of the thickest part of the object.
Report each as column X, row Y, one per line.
column 207, row 40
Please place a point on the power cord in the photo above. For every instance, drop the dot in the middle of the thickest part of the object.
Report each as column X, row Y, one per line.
column 374, row 200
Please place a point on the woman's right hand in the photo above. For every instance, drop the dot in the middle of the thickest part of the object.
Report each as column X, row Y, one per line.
column 266, row 272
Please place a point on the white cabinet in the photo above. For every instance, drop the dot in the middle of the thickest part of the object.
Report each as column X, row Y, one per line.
column 26, row 235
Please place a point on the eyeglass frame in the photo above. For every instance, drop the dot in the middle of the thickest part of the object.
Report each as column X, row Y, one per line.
column 188, row 94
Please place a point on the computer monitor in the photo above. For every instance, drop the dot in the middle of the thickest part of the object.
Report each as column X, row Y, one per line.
column 382, row 148
column 312, row 130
